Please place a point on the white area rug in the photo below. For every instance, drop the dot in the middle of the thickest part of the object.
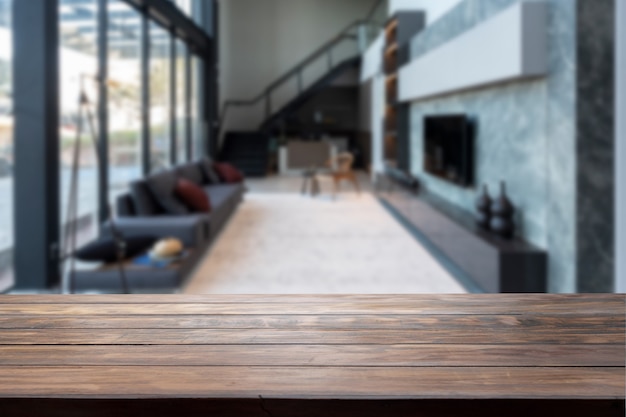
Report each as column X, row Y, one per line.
column 291, row 244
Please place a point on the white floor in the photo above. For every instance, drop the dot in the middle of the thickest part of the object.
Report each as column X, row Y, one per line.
column 285, row 243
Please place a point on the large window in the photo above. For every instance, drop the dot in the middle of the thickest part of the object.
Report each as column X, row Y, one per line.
column 181, row 102
column 6, row 147
column 160, row 49
column 125, row 122
column 79, row 69
column 122, row 110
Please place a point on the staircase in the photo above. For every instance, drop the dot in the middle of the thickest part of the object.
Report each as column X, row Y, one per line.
column 249, row 151
column 298, row 101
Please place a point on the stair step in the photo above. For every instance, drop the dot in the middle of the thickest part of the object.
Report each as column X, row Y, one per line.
column 244, row 152
column 248, row 151
column 245, row 160
column 306, row 95
column 245, row 167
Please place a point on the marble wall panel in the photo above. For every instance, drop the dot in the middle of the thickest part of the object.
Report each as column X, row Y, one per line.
column 526, row 135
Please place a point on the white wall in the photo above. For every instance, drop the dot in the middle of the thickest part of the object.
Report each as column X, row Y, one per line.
column 434, row 8
column 514, row 42
column 620, row 113
column 372, row 59
column 260, row 40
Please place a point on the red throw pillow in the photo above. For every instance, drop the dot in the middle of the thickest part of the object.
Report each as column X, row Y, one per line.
column 228, row 173
column 193, row 196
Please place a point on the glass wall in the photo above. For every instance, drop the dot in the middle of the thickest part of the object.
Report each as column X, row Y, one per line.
column 160, row 49
column 79, row 73
column 6, row 147
column 125, row 124
column 79, row 69
column 181, row 102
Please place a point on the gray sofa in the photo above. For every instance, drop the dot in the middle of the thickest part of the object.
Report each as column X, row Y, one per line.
column 140, row 211
column 150, row 208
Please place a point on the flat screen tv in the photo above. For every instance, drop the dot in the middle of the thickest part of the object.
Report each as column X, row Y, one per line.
column 449, row 148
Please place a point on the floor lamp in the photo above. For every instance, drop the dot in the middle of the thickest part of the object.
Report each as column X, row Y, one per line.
column 69, row 241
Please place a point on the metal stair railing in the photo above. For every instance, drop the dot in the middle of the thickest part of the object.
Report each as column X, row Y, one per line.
column 361, row 31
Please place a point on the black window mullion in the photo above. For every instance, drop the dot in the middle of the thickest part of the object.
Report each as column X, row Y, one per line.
column 145, row 94
column 173, row 89
column 103, row 111
column 188, row 121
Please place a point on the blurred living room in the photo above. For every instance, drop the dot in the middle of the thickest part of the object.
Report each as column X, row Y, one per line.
column 305, row 208
column 312, row 146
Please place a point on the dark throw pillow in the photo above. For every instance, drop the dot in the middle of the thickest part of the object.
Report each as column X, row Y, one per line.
column 193, row 196
column 210, row 176
column 228, row 173
column 191, row 172
column 105, row 249
column 163, row 187
column 144, row 200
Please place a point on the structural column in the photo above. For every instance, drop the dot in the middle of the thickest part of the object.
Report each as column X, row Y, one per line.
column 620, row 140
column 595, row 146
column 36, row 101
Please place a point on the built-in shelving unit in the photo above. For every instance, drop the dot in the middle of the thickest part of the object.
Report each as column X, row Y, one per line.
column 496, row 265
column 511, row 46
column 399, row 31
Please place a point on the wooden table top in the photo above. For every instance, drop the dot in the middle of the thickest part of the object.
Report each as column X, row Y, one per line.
column 311, row 348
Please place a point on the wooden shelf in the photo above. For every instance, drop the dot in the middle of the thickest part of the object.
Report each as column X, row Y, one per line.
column 391, row 49
column 391, row 26
column 399, row 31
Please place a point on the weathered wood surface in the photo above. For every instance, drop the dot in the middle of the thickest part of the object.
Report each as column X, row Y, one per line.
column 297, row 355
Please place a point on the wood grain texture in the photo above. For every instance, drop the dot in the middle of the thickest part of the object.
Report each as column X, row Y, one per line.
column 297, row 355
column 305, row 304
column 432, row 335
column 321, row 382
column 479, row 323
column 466, row 355
column 405, row 308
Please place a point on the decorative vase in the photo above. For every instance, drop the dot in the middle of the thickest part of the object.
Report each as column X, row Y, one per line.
column 502, row 211
column 483, row 208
